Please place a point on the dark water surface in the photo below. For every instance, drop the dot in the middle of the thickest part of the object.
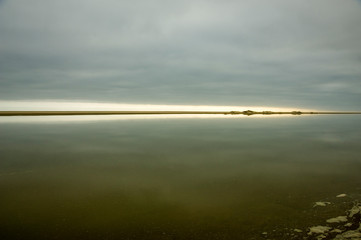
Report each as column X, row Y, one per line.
column 229, row 178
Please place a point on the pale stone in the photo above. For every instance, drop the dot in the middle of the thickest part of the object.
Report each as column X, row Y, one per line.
column 355, row 210
column 318, row 229
column 321, row 204
column 337, row 219
column 321, row 237
column 351, row 234
column 341, row 195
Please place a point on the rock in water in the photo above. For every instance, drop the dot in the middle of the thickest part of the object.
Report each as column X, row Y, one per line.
column 318, row 230
column 321, row 204
column 349, row 235
column 337, row 219
column 341, row 195
column 348, row 225
column 354, row 211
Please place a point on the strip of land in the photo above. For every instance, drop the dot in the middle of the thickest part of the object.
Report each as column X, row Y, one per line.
column 248, row 113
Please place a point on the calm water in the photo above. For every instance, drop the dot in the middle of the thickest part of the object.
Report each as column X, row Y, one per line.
column 228, row 178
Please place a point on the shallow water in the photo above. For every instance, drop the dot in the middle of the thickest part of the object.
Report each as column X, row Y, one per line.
column 210, row 178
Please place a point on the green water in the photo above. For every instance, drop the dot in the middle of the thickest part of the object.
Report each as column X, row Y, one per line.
column 229, row 178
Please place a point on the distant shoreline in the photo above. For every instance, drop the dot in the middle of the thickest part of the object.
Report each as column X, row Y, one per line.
column 248, row 113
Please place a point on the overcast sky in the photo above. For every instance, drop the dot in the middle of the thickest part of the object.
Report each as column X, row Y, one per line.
column 283, row 53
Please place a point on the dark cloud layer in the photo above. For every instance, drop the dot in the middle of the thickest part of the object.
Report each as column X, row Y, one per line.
column 275, row 53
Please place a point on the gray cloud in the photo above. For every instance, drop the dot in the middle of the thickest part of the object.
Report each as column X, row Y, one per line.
column 276, row 53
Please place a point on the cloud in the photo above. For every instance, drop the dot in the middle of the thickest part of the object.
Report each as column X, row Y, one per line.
column 182, row 52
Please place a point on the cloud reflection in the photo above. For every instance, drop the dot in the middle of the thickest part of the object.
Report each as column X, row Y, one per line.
column 95, row 118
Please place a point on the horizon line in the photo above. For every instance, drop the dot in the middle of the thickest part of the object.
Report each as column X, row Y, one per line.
column 247, row 112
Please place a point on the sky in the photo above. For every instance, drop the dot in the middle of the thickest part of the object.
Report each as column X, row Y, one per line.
column 279, row 53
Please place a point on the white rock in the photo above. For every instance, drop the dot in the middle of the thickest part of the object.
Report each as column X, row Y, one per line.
column 336, row 230
column 321, row 237
column 337, row 219
column 355, row 210
column 318, row 229
column 348, row 225
column 297, row 230
column 351, row 234
column 341, row 195
column 321, row 204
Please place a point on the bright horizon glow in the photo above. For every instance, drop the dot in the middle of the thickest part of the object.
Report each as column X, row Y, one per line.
column 97, row 118
column 52, row 105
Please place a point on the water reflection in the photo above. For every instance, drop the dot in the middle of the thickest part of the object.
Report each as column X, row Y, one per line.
column 221, row 178
column 92, row 118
